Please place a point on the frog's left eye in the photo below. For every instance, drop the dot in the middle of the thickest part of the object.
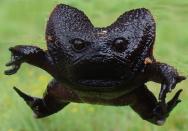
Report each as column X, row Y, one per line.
column 78, row 44
column 119, row 44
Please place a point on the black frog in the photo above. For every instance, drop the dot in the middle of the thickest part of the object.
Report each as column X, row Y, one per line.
column 107, row 66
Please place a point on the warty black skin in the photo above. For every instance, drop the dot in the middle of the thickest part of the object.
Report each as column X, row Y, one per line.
column 107, row 66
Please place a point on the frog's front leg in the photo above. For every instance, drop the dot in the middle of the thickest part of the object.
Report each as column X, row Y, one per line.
column 164, row 74
column 29, row 54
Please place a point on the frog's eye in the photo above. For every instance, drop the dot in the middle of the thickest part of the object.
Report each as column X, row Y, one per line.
column 119, row 44
column 78, row 44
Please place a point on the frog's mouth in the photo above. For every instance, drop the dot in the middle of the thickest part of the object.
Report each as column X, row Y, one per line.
column 99, row 74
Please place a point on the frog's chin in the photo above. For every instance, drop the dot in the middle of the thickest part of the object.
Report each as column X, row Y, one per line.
column 98, row 85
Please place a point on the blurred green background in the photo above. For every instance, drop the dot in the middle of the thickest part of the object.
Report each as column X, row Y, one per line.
column 24, row 21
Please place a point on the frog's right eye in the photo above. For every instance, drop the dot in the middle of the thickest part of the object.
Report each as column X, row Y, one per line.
column 78, row 45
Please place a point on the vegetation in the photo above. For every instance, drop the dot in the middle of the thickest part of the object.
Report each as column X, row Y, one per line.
column 24, row 21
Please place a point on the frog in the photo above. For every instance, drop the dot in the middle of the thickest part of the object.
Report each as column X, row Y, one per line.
column 99, row 65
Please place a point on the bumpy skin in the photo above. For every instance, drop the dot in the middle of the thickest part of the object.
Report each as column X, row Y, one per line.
column 108, row 66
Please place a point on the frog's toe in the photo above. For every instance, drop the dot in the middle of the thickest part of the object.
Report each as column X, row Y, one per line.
column 180, row 78
column 12, row 70
column 26, row 97
column 160, row 122
column 174, row 101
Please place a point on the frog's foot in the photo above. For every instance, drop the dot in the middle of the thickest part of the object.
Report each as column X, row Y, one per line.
column 163, row 109
column 15, row 62
column 146, row 105
column 41, row 107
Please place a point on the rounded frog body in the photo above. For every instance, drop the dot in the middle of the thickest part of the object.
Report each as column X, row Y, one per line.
column 108, row 66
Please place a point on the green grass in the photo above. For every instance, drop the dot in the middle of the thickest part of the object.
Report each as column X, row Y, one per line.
column 24, row 21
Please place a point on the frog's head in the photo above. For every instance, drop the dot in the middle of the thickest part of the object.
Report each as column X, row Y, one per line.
column 99, row 57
